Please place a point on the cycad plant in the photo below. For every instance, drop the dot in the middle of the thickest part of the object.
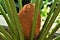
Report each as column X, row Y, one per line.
column 15, row 24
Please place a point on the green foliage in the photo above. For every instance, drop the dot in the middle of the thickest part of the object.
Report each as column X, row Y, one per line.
column 57, row 38
column 0, row 0
column 14, row 24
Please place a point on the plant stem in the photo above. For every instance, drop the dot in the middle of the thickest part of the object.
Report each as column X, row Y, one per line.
column 7, row 20
column 53, row 31
column 3, row 36
column 5, row 33
column 34, row 19
column 57, row 38
column 20, row 4
column 10, row 12
column 47, row 27
column 33, row 1
column 50, row 14
column 16, row 20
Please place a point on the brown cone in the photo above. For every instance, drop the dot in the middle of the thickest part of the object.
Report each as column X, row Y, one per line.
column 26, row 17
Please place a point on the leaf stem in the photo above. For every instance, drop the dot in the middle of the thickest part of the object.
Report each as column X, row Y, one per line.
column 20, row 4
column 5, row 33
column 7, row 20
column 34, row 19
column 47, row 27
column 53, row 31
column 3, row 36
